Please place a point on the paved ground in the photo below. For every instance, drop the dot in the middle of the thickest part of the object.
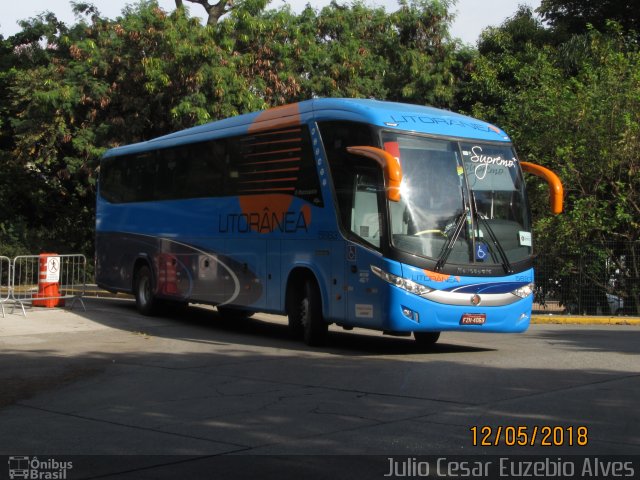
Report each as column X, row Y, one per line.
column 108, row 381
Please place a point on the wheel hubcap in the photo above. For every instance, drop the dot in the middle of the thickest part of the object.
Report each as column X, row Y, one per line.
column 144, row 290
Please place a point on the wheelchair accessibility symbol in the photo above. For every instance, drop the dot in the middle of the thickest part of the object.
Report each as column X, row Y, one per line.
column 482, row 251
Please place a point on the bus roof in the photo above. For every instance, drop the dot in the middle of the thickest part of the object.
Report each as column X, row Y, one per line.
column 391, row 115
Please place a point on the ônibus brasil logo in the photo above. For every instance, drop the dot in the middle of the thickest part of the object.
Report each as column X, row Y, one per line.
column 36, row 469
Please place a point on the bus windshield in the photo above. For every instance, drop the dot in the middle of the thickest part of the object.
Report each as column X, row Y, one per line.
column 461, row 202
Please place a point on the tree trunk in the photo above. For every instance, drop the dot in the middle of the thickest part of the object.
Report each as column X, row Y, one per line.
column 214, row 11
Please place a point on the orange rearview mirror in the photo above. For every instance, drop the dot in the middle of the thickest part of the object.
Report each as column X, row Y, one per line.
column 390, row 166
column 555, row 185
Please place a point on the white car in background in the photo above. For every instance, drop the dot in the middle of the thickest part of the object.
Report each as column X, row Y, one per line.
column 616, row 304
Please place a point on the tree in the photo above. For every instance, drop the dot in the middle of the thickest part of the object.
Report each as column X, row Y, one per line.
column 573, row 16
column 354, row 51
column 505, row 64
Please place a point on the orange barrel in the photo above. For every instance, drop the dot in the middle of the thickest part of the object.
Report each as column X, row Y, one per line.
column 48, row 281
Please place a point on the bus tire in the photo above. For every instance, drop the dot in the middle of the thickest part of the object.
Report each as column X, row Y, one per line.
column 305, row 315
column 426, row 339
column 146, row 302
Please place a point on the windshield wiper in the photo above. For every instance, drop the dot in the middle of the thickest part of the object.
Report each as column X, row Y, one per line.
column 505, row 260
column 448, row 247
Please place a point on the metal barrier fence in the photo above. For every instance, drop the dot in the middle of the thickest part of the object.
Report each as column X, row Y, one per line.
column 603, row 281
column 5, row 281
column 47, row 280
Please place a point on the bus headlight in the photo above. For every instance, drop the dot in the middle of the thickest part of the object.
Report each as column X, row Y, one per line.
column 403, row 283
column 523, row 292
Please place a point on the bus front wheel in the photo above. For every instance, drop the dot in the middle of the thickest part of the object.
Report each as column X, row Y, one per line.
column 305, row 315
column 426, row 339
column 146, row 302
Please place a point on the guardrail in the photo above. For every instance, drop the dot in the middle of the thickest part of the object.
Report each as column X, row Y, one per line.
column 47, row 280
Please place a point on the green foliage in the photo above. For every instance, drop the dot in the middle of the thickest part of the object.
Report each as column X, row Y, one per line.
column 573, row 16
column 353, row 51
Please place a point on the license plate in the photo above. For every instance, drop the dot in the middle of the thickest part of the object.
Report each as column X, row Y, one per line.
column 473, row 319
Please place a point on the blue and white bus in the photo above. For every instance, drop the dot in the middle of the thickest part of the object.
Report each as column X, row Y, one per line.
column 360, row 213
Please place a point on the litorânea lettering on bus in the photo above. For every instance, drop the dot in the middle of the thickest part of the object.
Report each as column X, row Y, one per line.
column 437, row 120
column 263, row 222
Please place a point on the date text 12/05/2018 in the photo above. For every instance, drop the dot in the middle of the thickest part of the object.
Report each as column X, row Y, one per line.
column 545, row 436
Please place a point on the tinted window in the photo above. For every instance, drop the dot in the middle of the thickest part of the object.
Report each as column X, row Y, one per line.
column 356, row 183
column 279, row 162
column 261, row 163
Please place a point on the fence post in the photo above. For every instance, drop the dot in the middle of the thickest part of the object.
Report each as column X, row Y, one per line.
column 5, row 285
column 580, row 284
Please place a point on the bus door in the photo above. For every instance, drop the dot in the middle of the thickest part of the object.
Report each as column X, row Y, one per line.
column 364, row 289
column 337, row 292
column 274, row 274
column 249, row 260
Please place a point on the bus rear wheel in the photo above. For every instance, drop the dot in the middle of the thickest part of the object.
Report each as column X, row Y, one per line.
column 305, row 315
column 146, row 302
column 426, row 339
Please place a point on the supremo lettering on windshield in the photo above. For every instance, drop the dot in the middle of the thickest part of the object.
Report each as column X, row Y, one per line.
column 484, row 161
column 265, row 222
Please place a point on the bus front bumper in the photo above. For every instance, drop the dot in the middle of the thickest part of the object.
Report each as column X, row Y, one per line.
column 412, row 313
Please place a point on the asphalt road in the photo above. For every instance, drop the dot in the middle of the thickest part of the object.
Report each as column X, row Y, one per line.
column 111, row 382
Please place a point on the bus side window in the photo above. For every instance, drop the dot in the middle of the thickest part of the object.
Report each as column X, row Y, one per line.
column 170, row 175
column 205, row 176
column 141, row 165
column 365, row 210
column 357, row 190
column 353, row 182
column 110, row 179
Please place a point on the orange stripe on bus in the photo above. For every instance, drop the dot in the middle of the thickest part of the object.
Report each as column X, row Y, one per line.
column 283, row 160
column 287, row 179
column 273, row 142
column 261, row 154
column 287, row 189
column 293, row 169
column 286, row 116
column 266, row 134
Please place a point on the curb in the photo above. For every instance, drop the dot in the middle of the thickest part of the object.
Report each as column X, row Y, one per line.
column 580, row 320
